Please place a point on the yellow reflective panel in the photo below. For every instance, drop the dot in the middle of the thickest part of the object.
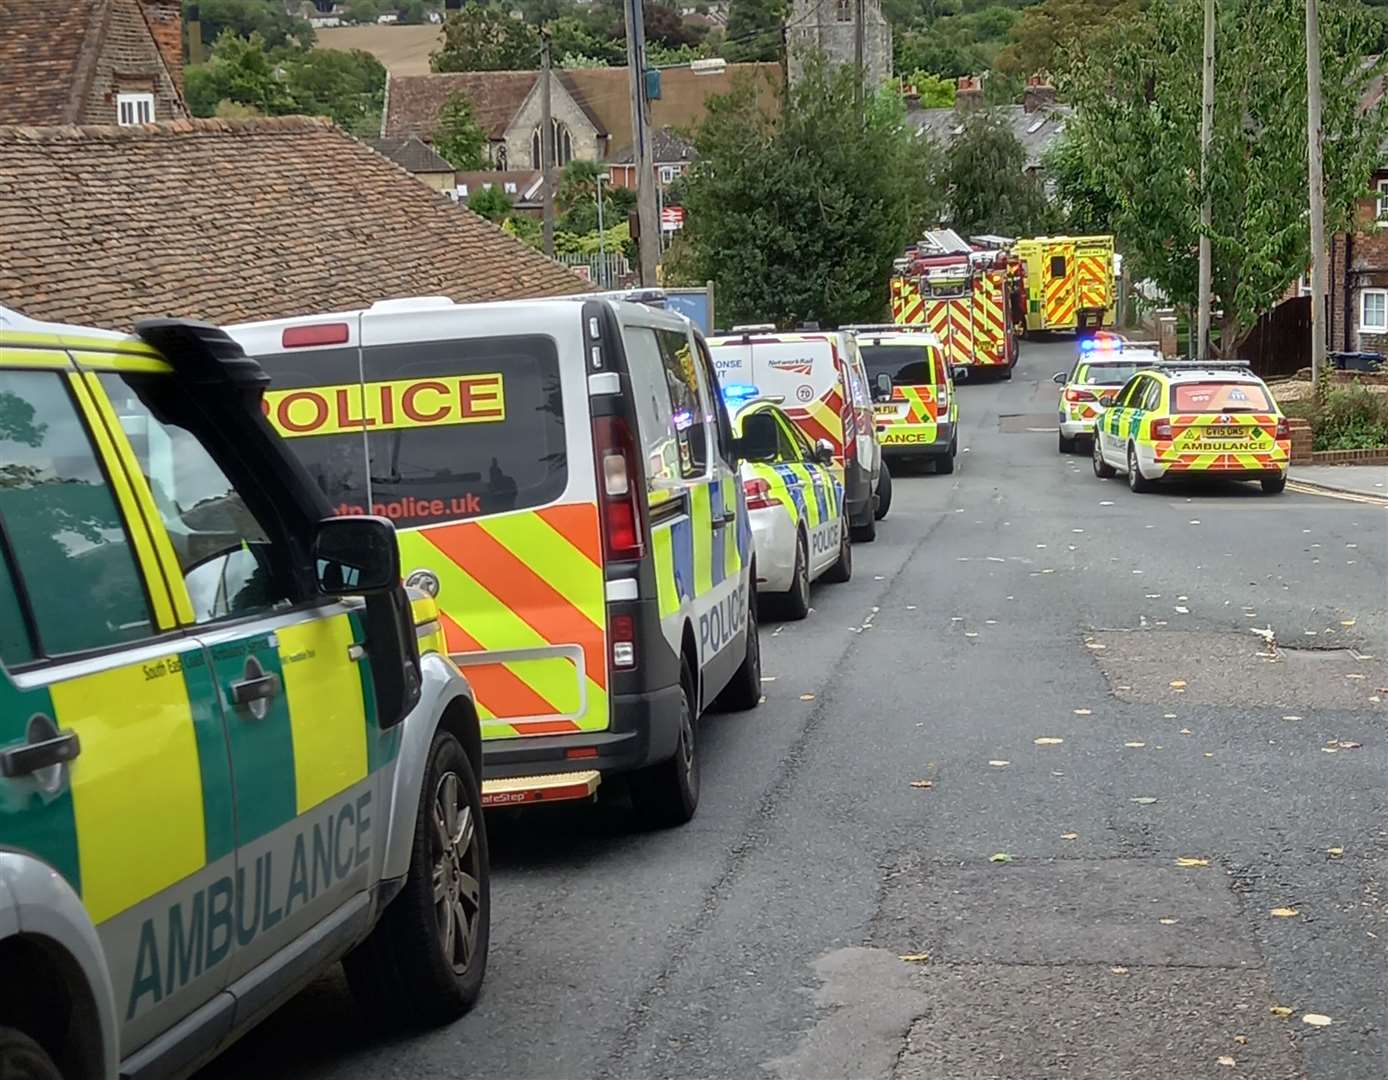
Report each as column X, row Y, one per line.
column 22, row 357
column 147, row 362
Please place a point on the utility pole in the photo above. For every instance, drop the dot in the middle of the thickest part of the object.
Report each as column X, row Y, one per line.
column 1315, row 170
column 859, row 41
column 546, row 143
column 1201, row 346
column 648, row 243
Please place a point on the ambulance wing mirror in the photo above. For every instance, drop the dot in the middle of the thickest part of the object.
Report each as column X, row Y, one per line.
column 1060, row 378
column 760, row 438
column 824, row 452
column 959, row 373
column 884, row 386
column 355, row 556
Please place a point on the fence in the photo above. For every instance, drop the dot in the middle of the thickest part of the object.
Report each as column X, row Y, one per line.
column 1280, row 342
column 614, row 273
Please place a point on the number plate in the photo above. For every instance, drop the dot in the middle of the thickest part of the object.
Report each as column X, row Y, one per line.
column 1230, row 432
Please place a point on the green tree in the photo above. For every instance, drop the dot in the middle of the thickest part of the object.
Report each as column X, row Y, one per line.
column 492, row 203
column 246, row 17
column 755, row 30
column 485, row 37
column 1081, row 207
column 363, row 11
column 1136, row 135
column 800, row 216
column 936, row 92
column 577, row 199
column 348, row 86
column 1049, row 35
column 239, row 71
column 457, row 135
column 575, row 36
column 954, row 42
column 988, row 188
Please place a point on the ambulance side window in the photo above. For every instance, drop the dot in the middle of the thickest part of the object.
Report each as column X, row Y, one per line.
column 15, row 646
column 229, row 565
column 61, row 522
column 683, row 382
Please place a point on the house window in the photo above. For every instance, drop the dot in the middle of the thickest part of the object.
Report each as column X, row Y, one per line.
column 667, row 174
column 563, row 146
column 1373, row 311
column 508, row 187
column 132, row 109
column 843, row 11
column 1381, row 203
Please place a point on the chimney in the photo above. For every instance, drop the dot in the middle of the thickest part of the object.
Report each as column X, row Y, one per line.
column 165, row 21
column 1039, row 94
column 969, row 93
column 194, row 34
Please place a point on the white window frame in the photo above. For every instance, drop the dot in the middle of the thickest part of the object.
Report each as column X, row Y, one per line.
column 134, row 108
column 667, row 174
column 1380, row 327
column 1381, row 201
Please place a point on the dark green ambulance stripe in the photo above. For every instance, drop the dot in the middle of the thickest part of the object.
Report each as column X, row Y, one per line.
column 218, row 807
column 34, row 821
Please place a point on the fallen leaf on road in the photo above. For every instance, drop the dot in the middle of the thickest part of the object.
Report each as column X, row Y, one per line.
column 1189, row 863
column 1242, row 1040
column 1316, row 1020
column 1186, row 731
column 971, row 633
column 1119, row 970
column 1349, row 745
column 1135, row 745
column 1144, row 800
column 1330, row 749
column 1069, row 836
column 1281, row 1011
column 915, row 958
column 1001, row 856
column 1094, row 645
column 1354, row 676
column 1208, row 754
column 806, row 697
column 1082, row 712
column 1181, row 611
column 923, row 783
column 1291, row 718
column 1225, row 1059
column 1178, row 684
column 1347, row 622
column 1335, row 852
column 1047, row 740
column 1167, row 922
column 998, row 763
column 1168, row 716
column 1284, row 912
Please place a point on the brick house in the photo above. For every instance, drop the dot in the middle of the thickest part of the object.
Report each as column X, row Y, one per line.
column 315, row 220
column 671, row 153
column 90, row 62
column 1358, row 285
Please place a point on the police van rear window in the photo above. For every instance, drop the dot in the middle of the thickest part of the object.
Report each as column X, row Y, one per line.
column 908, row 365
column 437, row 431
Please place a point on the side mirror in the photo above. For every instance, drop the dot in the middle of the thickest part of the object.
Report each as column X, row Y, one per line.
column 824, row 450
column 760, row 438
column 355, row 556
column 959, row 373
column 884, row 387
column 1109, row 398
column 1060, row 378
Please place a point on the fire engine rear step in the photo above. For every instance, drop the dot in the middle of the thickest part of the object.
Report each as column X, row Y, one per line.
column 551, row 787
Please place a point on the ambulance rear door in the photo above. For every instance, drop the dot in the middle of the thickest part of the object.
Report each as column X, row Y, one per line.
column 1058, row 284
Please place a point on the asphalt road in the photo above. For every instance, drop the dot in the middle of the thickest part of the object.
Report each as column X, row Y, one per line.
column 1038, row 883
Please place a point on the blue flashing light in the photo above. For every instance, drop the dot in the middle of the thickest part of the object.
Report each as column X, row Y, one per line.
column 735, row 394
column 1088, row 345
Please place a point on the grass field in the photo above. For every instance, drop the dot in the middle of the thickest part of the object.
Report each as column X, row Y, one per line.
column 404, row 50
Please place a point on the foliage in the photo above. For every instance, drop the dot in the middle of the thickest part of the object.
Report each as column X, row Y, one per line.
column 988, row 190
column 754, row 30
column 246, row 17
column 239, row 70
column 588, row 37
column 348, row 86
column 1081, row 208
column 1349, row 418
column 799, row 217
column 1048, row 36
column 936, row 92
column 458, row 138
column 491, row 202
column 485, row 37
column 363, row 11
column 577, row 199
column 950, row 41
column 1136, row 144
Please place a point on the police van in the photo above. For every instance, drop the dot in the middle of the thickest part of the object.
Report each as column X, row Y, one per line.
column 230, row 755
column 820, row 376
column 563, row 479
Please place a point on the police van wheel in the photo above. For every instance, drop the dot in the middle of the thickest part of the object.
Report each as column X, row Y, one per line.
column 23, row 1059
column 424, row 961
column 1137, row 483
column 842, row 570
column 884, row 493
column 666, row 794
column 743, row 691
column 794, row 604
column 864, row 531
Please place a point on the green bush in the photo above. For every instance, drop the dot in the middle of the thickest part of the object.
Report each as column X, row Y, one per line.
column 1351, row 417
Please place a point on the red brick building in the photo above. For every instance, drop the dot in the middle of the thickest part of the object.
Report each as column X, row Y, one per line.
column 1358, row 286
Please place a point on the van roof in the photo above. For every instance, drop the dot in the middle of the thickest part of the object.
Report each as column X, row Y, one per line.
column 413, row 305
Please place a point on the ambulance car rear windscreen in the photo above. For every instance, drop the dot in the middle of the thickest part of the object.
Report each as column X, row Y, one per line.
column 438, row 431
column 1212, row 397
column 908, row 365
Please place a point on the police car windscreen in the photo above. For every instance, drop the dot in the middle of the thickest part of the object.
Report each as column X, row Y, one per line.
column 908, row 365
column 1091, row 374
column 438, row 431
column 1220, row 397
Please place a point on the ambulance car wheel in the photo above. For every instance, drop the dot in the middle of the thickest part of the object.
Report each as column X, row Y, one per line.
column 842, row 570
column 424, row 961
column 1067, row 445
column 1274, row 485
column 944, row 464
column 1137, row 483
column 667, row 793
column 884, row 493
column 743, row 692
column 1102, row 469
column 794, row 604
column 23, row 1059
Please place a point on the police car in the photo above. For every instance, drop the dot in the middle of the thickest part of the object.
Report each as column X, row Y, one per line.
column 799, row 524
column 1193, row 419
column 563, row 479
column 1105, row 362
column 225, row 763
column 916, row 409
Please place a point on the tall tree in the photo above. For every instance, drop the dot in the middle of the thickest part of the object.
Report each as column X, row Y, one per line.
column 988, row 189
column 246, row 17
column 485, row 37
column 755, row 29
column 348, row 86
column 800, row 216
column 1136, row 129
column 1048, row 34
column 458, row 137
column 239, row 71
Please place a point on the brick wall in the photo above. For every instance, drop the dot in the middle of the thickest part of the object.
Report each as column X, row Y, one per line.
column 1357, row 262
column 130, row 62
column 165, row 20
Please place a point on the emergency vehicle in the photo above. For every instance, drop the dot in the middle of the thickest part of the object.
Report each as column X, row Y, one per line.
column 1105, row 363
column 794, row 501
column 965, row 300
column 1069, row 282
column 230, row 756
column 563, row 480
column 1193, row 418
column 915, row 405
column 819, row 374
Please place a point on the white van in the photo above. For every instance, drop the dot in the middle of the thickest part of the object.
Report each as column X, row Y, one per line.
column 563, row 479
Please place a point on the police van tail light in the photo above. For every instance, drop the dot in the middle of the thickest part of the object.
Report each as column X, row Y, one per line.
column 298, row 337
column 623, row 532
column 621, row 631
column 1161, row 429
column 1079, row 395
column 758, row 493
column 1284, row 430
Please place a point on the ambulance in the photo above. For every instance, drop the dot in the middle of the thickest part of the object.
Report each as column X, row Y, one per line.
column 820, row 377
column 1070, row 282
column 564, row 482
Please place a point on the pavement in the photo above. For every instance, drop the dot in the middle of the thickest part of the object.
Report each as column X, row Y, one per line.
column 1366, row 480
column 1067, row 782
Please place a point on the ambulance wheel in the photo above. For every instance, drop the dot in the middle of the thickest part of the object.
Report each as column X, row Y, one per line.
column 1102, row 469
column 842, row 570
column 884, row 493
column 1067, row 446
column 1137, row 483
column 23, row 1059
column 1274, row 485
column 944, row 464
column 424, row 961
column 1007, row 373
column 667, row 793
column 794, row 604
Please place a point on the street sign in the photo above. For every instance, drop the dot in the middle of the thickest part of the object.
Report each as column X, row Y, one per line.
column 672, row 218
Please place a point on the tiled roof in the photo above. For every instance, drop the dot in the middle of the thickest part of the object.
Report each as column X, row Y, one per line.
column 524, row 180
column 413, row 102
column 668, row 146
column 410, row 154
column 41, row 43
column 1036, row 131
column 233, row 220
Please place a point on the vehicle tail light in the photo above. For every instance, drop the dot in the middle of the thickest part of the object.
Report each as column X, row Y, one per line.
column 1161, row 429
column 297, row 337
column 758, row 493
column 622, row 633
column 1079, row 395
column 623, row 524
column 1284, row 430
column 941, row 399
